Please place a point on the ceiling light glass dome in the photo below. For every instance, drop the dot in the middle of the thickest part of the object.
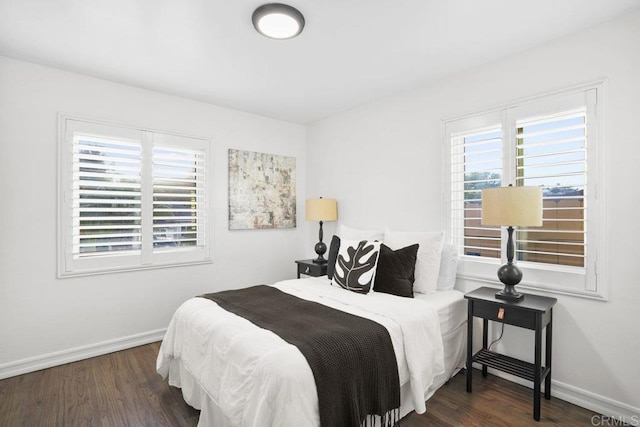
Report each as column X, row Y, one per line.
column 278, row 21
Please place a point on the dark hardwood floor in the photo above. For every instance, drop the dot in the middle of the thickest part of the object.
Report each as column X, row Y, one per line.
column 117, row 389
column 123, row 389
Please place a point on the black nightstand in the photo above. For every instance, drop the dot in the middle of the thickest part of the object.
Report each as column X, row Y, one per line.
column 310, row 268
column 533, row 312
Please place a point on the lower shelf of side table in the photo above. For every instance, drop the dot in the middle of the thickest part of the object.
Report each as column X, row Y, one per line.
column 509, row 365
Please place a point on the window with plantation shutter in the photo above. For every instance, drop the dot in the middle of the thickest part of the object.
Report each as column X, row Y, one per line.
column 553, row 142
column 131, row 198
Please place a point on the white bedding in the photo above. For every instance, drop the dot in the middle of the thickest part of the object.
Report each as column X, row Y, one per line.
column 251, row 377
column 451, row 307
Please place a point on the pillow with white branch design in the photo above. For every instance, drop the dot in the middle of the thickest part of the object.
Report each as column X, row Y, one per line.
column 356, row 264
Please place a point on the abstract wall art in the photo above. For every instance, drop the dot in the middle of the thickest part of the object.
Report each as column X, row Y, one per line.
column 262, row 191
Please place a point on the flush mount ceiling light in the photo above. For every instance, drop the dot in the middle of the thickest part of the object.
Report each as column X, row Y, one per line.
column 278, row 21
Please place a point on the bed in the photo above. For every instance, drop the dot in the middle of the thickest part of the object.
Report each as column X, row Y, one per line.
column 240, row 375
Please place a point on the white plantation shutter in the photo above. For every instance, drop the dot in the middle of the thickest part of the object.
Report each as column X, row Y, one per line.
column 476, row 163
column 106, row 196
column 132, row 198
column 179, row 189
column 551, row 153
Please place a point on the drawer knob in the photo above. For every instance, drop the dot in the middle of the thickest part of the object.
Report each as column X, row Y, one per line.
column 306, row 270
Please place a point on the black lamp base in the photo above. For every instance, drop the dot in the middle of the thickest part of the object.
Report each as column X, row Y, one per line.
column 509, row 294
column 320, row 249
column 510, row 275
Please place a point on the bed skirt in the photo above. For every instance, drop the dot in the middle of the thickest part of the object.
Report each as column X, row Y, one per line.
column 454, row 343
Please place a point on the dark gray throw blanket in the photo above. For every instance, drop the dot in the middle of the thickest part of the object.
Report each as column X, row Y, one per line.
column 352, row 358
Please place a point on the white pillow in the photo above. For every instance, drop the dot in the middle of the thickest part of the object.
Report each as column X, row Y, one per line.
column 428, row 259
column 356, row 265
column 448, row 267
column 349, row 233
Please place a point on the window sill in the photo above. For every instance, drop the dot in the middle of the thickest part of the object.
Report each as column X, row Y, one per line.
column 101, row 271
column 526, row 285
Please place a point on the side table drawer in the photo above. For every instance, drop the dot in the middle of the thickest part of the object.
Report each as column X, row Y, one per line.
column 509, row 315
column 309, row 268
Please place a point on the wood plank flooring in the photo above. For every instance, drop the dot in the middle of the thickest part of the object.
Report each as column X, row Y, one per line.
column 123, row 389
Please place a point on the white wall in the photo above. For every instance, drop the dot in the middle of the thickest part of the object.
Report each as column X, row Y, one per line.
column 44, row 320
column 383, row 162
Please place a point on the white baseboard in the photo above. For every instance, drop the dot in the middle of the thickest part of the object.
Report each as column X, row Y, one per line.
column 583, row 398
column 57, row 358
column 595, row 402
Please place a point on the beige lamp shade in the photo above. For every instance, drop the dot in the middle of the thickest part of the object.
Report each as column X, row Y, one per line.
column 321, row 210
column 512, row 206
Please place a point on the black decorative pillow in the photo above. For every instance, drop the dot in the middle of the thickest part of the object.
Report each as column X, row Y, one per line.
column 396, row 269
column 355, row 267
column 333, row 256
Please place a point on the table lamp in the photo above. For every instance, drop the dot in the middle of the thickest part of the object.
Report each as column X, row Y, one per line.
column 511, row 206
column 321, row 210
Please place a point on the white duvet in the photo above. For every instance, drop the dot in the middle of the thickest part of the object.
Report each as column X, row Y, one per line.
column 256, row 379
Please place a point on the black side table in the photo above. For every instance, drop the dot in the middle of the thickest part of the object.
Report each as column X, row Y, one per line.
column 533, row 312
column 310, row 268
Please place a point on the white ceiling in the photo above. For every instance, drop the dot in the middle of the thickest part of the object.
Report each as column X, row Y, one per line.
column 351, row 51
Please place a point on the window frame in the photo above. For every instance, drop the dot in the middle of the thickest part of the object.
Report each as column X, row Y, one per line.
column 589, row 281
column 146, row 258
